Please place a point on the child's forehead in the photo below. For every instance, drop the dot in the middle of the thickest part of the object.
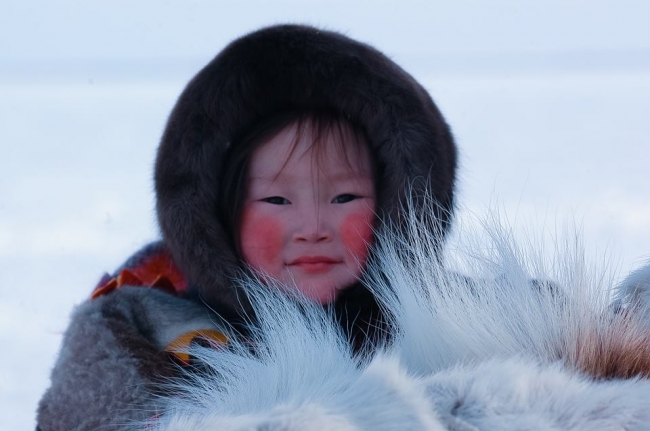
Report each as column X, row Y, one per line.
column 337, row 152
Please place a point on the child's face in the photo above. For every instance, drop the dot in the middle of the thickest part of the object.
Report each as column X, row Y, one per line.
column 307, row 217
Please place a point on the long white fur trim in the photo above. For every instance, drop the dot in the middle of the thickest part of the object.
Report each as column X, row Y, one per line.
column 518, row 344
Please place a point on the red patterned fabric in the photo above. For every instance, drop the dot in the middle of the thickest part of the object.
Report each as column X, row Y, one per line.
column 152, row 267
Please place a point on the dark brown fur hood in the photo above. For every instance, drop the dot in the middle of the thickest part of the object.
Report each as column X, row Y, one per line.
column 279, row 68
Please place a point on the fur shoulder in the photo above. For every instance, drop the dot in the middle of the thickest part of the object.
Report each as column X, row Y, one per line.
column 111, row 362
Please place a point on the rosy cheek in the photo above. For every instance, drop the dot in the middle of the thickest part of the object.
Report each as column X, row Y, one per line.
column 356, row 233
column 261, row 240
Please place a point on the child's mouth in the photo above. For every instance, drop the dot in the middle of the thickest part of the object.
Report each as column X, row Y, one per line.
column 314, row 264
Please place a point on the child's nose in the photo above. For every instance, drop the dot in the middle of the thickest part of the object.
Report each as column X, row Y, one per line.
column 313, row 227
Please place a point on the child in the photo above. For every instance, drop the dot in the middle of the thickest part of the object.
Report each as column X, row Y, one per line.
column 308, row 204
column 279, row 158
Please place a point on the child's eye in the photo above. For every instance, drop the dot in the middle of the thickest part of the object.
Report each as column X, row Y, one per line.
column 276, row 200
column 341, row 199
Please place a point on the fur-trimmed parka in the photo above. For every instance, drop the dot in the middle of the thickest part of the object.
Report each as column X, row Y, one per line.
column 114, row 354
column 291, row 68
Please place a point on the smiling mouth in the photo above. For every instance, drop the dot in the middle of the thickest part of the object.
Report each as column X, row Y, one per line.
column 314, row 264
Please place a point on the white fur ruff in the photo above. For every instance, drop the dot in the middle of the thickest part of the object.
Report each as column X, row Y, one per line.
column 492, row 351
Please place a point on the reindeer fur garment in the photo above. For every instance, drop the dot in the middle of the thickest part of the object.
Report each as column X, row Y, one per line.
column 493, row 351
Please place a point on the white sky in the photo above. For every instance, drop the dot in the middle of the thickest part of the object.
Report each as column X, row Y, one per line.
column 549, row 102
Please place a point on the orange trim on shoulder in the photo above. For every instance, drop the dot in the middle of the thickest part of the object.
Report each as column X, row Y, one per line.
column 157, row 266
column 105, row 288
column 158, row 271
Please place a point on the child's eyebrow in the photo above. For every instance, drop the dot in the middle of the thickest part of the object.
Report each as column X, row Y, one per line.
column 289, row 178
column 337, row 176
column 270, row 179
column 349, row 175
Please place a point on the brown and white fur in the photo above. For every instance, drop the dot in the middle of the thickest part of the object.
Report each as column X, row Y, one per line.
column 489, row 351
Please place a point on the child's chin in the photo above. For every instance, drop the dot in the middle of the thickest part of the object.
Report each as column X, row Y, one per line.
column 321, row 294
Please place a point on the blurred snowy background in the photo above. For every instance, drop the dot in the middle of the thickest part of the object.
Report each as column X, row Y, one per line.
column 549, row 102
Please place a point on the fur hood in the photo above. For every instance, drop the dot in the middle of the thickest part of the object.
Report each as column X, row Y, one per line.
column 269, row 71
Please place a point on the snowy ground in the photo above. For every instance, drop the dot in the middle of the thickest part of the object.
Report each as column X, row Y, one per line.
column 549, row 107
